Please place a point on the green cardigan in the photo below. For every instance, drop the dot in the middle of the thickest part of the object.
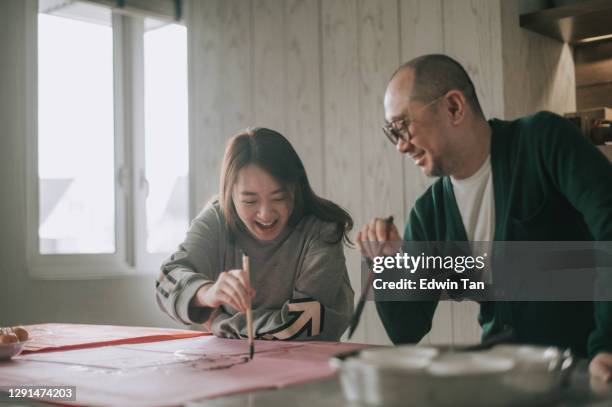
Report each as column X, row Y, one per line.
column 550, row 183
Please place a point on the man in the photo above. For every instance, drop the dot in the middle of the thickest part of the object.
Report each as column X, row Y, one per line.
column 535, row 178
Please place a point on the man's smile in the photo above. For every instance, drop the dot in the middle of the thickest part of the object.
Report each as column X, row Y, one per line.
column 418, row 157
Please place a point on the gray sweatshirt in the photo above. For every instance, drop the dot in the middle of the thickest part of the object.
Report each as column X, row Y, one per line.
column 302, row 286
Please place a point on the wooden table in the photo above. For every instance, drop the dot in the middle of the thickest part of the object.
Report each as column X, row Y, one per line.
column 327, row 393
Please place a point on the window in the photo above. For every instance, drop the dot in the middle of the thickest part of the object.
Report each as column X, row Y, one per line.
column 110, row 150
column 166, row 157
column 75, row 136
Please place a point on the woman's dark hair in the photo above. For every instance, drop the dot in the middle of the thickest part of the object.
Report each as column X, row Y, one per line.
column 273, row 153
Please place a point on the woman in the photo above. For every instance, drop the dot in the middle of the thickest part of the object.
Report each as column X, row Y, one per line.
column 266, row 209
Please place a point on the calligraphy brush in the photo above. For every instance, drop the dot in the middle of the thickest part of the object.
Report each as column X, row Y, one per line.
column 249, row 312
column 364, row 293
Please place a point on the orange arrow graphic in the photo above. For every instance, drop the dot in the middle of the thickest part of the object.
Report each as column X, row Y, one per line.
column 309, row 316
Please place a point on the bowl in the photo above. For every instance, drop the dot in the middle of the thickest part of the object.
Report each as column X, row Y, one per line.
column 470, row 379
column 9, row 350
column 540, row 371
column 438, row 376
column 529, row 357
column 373, row 376
column 403, row 356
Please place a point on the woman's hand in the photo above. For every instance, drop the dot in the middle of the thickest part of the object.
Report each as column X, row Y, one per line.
column 231, row 288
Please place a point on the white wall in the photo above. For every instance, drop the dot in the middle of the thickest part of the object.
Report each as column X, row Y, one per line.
column 314, row 70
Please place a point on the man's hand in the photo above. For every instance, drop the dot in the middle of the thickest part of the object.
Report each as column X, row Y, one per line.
column 379, row 237
column 231, row 288
column 601, row 366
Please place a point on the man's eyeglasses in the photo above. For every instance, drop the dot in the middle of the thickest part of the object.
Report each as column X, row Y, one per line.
column 399, row 129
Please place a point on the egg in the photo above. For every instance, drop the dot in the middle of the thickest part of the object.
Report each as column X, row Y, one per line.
column 21, row 333
column 12, row 338
column 4, row 339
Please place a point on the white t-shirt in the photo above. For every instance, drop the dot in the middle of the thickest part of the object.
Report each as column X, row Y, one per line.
column 475, row 199
column 474, row 196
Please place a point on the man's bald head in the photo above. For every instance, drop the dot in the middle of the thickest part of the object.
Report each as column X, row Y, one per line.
column 431, row 76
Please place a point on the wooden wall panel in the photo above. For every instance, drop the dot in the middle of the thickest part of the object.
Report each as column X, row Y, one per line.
column 317, row 69
column 236, row 93
column 421, row 28
column 557, row 73
column 466, row 329
column 286, row 80
column 476, row 22
column 340, row 104
column 303, row 111
column 381, row 165
column 538, row 71
column 219, row 86
column 378, row 56
column 204, row 38
column 442, row 326
column 268, row 69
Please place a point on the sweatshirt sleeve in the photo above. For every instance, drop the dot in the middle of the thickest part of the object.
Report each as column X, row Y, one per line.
column 193, row 265
column 321, row 303
column 585, row 179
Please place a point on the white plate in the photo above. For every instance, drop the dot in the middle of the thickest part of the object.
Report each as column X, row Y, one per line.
column 464, row 364
column 406, row 357
column 530, row 357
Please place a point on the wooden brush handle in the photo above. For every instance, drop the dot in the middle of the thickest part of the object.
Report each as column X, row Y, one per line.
column 249, row 313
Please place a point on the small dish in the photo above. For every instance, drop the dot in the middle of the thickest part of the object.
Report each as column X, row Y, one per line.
column 373, row 376
column 9, row 350
column 540, row 371
column 469, row 364
column 529, row 357
column 470, row 379
column 408, row 357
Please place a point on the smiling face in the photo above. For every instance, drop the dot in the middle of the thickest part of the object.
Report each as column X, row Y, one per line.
column 429, row 146
column 262, row 204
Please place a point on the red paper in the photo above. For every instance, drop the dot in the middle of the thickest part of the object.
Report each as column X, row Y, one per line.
column 174, row 372
column 55, row 337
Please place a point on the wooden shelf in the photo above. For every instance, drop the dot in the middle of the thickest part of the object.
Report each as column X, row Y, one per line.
column 574, row 23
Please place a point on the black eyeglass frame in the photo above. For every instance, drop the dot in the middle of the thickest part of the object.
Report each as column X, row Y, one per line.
column 394, row 133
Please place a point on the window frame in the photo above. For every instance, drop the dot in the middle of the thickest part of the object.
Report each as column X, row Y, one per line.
column 130, row 257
